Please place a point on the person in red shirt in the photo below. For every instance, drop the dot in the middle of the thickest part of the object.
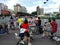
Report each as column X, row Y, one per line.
column 54, row 27
column 25, row 25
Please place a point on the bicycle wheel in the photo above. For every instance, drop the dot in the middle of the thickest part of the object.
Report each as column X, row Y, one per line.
column 20, row 44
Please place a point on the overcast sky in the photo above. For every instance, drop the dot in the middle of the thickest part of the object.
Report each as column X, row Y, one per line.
column 50, row 6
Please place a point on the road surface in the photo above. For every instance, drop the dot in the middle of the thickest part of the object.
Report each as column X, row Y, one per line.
column 11, row 40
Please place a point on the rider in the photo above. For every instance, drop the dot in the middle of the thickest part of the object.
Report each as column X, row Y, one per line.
column 21, row 34
column 25, row 25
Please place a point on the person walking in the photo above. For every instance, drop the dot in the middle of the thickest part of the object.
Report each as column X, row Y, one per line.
column 47, row 28
column 54, row 27
column 19, row 21
column 39, row 25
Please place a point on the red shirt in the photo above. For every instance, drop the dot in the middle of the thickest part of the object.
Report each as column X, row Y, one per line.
column 39, row 22
column 54, row 26
column 25, row 26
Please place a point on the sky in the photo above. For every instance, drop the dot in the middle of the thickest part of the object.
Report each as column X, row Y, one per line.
column 50, row 6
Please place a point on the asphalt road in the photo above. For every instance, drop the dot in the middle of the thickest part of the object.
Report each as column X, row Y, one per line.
column 11, row 40
column 8, row 39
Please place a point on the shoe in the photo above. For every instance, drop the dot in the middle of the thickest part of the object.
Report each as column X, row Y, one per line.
column 29, row 44
column 22, row 42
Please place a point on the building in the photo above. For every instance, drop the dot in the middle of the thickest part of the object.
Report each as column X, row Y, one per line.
column 19, row 8
column 11, row 11
column 3, row 7
column 24, row 10
column 59, row 8
column 5, row 12
column 40, row 11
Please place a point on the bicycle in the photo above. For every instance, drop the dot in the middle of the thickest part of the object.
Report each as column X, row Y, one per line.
column 18, row 43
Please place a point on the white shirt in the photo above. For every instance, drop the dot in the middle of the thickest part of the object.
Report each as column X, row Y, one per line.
column 22, row 30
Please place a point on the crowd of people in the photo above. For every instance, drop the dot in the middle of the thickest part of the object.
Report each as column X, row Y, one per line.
column 6, row 24
column 48, row 29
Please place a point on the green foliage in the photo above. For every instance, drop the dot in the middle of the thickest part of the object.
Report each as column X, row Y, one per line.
column 58, row 14
column 22, row 14
column 50, row 17
column 1, row 15
column 34, row 13
column 4, row 15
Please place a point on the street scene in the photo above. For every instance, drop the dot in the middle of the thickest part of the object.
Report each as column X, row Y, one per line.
column 29, row 22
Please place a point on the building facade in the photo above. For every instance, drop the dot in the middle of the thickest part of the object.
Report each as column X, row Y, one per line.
column 24, row 10
column 40, row 11
column 5, row 12
column 19, row 8
column 59, row 8
column 3, row 7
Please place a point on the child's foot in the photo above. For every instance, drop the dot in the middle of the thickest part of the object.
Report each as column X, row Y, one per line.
column 29, row 44
column 22, row 42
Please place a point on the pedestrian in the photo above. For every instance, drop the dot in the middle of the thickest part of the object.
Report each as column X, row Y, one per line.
column 31, row 21
column 54, row 27
column 6, row 28
column 1, row 28
column 44, row 29
column 11, row 22
column 47, row 28
column 39, row 25
column 19, row 21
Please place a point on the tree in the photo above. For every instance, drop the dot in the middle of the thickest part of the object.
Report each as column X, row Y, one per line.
column 58, row 15
column 22, row 14
column 34, row 13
